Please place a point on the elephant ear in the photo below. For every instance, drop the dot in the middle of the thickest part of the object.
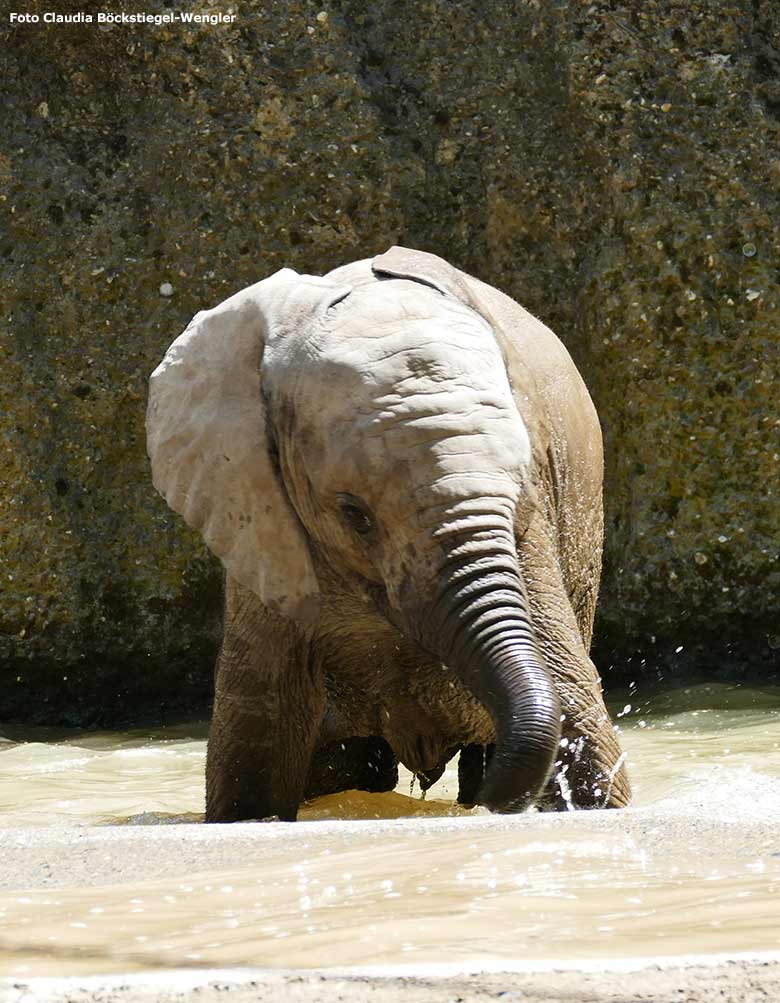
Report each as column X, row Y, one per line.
column 208, row 440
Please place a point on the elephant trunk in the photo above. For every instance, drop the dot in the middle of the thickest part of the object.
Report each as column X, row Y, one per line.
column 480, row 626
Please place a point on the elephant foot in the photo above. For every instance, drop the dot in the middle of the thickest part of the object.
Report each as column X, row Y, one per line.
column 363, row 764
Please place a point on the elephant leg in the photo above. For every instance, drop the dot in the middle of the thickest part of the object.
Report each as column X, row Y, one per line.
column 269, row 702
column 362, row 764
column 343, row 760
column 472, row 765
column 589, row 771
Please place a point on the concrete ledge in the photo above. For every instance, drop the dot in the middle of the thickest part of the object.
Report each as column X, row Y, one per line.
column 659, row 980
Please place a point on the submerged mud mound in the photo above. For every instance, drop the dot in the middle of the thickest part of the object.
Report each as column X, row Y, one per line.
column 614, row 167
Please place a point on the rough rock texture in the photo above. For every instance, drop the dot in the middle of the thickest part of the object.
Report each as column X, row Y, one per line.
column 614, row 166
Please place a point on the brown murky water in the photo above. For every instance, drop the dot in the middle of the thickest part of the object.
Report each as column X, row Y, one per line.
column 388, row 880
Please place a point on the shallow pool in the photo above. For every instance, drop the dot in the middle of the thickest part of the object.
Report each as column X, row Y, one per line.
column 102, row 885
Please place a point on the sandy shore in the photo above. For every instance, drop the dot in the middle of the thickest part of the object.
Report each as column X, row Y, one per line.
column 67, row 856
column 34, row 860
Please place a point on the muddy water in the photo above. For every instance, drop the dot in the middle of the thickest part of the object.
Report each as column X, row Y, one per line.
column 383, row 880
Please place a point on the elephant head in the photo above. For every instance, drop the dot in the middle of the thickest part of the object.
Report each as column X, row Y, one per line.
column 363, row 425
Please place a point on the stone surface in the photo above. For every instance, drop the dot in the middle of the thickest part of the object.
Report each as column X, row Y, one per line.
column 613, row 166
column 738, row 981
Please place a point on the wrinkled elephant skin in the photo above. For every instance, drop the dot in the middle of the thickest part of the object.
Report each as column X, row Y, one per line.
column 400, row 469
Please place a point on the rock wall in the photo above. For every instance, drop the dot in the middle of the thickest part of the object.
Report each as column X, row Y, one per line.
column 614, row 166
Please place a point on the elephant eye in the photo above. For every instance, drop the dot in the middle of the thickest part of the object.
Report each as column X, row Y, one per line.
column 355, row 515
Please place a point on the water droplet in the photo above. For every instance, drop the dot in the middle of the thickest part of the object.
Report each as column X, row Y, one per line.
column 749, row 249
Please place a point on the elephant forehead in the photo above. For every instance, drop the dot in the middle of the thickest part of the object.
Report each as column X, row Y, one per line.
column 404, row 382
column 399, row 329
column 464, row 440
column 405, row 366
column 385, row 337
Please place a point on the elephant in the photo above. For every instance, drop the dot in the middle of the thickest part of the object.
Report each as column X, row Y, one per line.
column 400, row 469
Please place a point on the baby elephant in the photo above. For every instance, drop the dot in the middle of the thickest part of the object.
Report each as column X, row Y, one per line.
column 400, row 469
